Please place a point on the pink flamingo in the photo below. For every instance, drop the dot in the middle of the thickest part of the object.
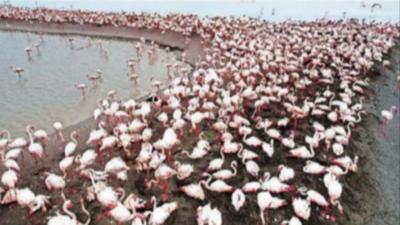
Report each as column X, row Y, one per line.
column 387, row 115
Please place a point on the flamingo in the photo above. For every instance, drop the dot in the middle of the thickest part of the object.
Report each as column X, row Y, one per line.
column 238, row 199
column 10, row 179
column 266, row 201
column 183, row 170
column 302, row 208
column 203, row 214
column 70, row 218
column 42, row 136
column 285, row 173
column 133, row 77
column 252, row 141
column 272, row 184
column 35, row 149
column 386, row 116
column 335, row 191
column 40, row 203
column 217, row 185
column 159, row 214
column 26, row 198
column 215, row 217
column 65, row 164
column 122, row 214
column 163, row 172
column 197, row 153
column 252, row 186
column 81, row 87
column 268, row 148
column 109, row 142
column 71, row 146
column 216, row 164
column 87, row 159
column 226, row 174
column 17, row 70
column 314, row 197
column 58, row 128
column 252, row 168
column 313, row 168
column 301, row 152
column 193, row 190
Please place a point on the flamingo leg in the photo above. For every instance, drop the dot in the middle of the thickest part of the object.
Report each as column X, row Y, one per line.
column 23, row 158
column 295, row 126
column 110, row 153
column 382, row 134
column 267, row 215
column 148, row 170
column 99, row 153
column 165, row 195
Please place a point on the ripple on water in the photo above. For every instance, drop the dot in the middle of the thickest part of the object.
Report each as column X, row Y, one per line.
column 46, row 91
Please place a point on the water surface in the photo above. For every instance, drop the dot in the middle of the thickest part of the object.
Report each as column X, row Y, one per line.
column 46, row 91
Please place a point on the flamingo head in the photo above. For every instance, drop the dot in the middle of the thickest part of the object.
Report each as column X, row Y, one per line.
column 69, row 204
column 203, row 175
column 107, row 213
column 235, row 164
column 266, row 175
column 280, row 167
column 75, row 134
column 1, row 134
column 395, row 109
column 141, row 217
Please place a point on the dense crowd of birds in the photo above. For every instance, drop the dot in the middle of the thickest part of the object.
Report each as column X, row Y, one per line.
column 290, row 91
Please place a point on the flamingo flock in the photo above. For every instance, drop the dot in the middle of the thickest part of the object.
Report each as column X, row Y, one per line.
column 265, row 92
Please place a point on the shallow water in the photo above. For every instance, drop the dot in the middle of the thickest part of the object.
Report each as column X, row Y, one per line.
column 296, row 10
column 45, row 93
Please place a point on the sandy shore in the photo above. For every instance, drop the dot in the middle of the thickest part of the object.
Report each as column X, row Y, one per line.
column 370, row 196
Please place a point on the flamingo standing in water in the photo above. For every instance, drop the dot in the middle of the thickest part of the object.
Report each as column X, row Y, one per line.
column 17, row 70
column 133, row 77
column 387, row 115
column 81, row 87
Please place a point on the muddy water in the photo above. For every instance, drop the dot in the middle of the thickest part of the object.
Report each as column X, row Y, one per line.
column 45, row 93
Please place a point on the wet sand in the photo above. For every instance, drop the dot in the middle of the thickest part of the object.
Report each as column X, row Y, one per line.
column 370, row 196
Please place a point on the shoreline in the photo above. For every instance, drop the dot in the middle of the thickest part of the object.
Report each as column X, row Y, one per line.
column 169, row 39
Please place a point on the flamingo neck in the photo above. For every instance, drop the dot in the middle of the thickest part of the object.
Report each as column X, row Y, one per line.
column 28, row 130
column 155, row 203
column 73, row 139
column 332, row 98
column 234, row 169
column 69, row 213
column 8, row 134
column 86, row 212
column 312, row 151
